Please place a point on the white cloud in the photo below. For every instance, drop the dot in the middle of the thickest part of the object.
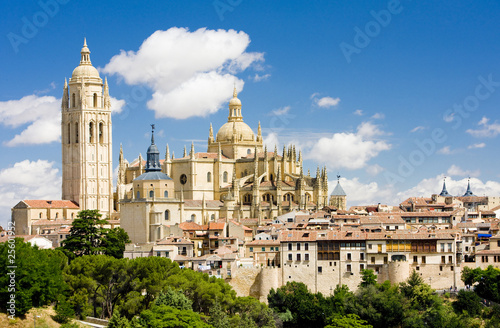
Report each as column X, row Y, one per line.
column 427, row 187
column 418, row 128
column 455, row 170
column 191, row 73
column 28, row 180
column 446, row 150
column 281, row 111
column 374, row 169
column 350, row 150
column 358, row 112
column 271, row 140
column 359, row 193
column 42, row 115
column 378, row 116
column 486, row 130
column 478, row 145
column 325, row 102
column 258, row 78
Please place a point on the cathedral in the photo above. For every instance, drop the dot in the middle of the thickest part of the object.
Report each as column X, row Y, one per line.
column 237, row 178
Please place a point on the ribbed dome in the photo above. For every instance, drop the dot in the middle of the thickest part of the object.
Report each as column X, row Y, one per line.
column 234, row 102
column 85, row 71
column 242, row 130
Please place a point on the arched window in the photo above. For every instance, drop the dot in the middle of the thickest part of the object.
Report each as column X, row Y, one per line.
column 91, row 132
column 247, row 199
column 76, row 132
column 224, row 176
column 73, row 102
column 138, row 195
column 212, row 217
column 69, row 133
column 57, row 215
column 95, row 100
column 209, row 177
column 249, row 151
column 151, row 194
column 40, row 215
column 72, row 215
column 101, row 132
column 193, row 217
column 167, row 215
column 165, row 194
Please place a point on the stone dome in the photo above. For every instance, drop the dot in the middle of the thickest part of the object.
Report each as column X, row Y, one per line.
column 243, row 132
column 85, row 71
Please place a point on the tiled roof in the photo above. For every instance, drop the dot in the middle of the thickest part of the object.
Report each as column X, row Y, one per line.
column 198, row 203
column 190, row 226
column 174, row 241
column 52, row 222
column 264, row 242
column 216, row 225
column 37, row 203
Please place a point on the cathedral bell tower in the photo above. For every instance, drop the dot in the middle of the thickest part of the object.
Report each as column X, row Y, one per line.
column 86, row 139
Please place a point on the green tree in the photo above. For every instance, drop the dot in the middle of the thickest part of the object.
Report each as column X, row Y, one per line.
column 165, row 316
column 347, row 321
column 86, row 235
column 38, row 277
column 368, row 278
column 470, row 276
column 117, row 321
column 114, row 241
column 468, row 301
column 218, row 317
column 175, row 299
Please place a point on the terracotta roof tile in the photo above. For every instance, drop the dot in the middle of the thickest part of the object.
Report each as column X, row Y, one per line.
column 37, row 203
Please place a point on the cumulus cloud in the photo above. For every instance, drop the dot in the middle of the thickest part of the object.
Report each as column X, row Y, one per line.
column 350, row 150
column 358, row 112
column 359, row 193
column 41, row 114
column 28, row 180
column 41, row 117
column 324, row 102
column 486, row 130
column 455, row 170
column 378, row 116
column 271, row 140
column 478, row 145
column 190, row 73
column 427, row 187
column 446, row 150
column 374, row 169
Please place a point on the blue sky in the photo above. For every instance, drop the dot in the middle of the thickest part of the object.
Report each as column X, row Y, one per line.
column 391, row 95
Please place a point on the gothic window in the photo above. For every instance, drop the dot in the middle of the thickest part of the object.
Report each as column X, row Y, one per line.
column 69, row 133
column 247, row 199
column 183, row 179
column 151, row 193
column 224, row 176
column 167, row 215
column 76, row 132
column 91, row 132
column 101, row 132
column 308, row 197
column 40, row 215
column 95, row 100
column 193, row 217
column 73, row 102
column 138, row 195
column 209, row 177
column 165, row 194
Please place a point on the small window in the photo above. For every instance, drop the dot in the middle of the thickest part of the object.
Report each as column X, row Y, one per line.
column 289, row 257
column 224, row 176
column 249, row 151
column 101, row 132
column 40, row 215
column 91, row 132
column 95, row 100
column 349, row 268
column 362, row 256
column 361, row 266
column 209, row 177
column 193, row 217
column 298, row 257
column 348, row 256
column 165, row 194
column 167, row 215
column 212, row 217
column 320, row 269
column 298, row 246
column 306, row 257
column 251, row 249
column 263, row 249
column 289, row 245
column 138, row 195
column 151, row 194
column 306, row 246
column 57, row 215
column 73, row 102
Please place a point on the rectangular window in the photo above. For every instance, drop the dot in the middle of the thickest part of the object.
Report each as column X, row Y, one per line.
column 271, row 249
column 440, row 268
column 349, row 268
column 451, row 268
column 306, row 246
column 158, row 253
column 385, row 259
column 251, row 249
column 298, row 246
column 423, row 259
column 450, row 247
column 289, row 246
column 442, row 247
column 373, row 260
column 263, row 249
column 369, row 246
column 361, row 267
column 298, row 257
column 361, row 256
column 450, row 259
column 443, row 259
column 320, row 269
column 306, row 257
column 348, row 256
column 289, row 257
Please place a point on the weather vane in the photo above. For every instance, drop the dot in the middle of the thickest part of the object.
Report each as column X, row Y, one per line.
column 153, row 127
